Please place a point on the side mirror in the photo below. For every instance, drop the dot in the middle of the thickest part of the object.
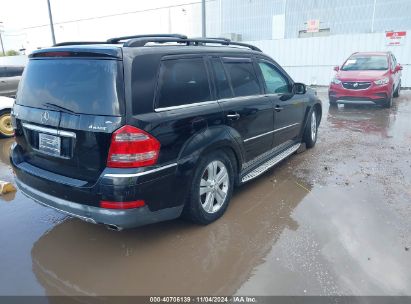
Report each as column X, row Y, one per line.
column 398, row 68
column 299, row 88
column 336, row 68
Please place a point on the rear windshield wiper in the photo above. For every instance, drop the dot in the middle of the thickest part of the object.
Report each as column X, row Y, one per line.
column 57, row 107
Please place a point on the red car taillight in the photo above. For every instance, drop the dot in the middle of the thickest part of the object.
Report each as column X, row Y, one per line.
column 122, row 205
column 131, row 148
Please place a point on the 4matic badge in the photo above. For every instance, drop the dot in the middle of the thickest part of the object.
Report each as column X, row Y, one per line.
column 45, row 117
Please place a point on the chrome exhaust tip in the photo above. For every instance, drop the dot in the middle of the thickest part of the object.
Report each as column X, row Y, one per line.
column 113, row 227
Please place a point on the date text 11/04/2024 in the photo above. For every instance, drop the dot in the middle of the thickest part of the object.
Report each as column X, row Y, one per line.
column 234, row 299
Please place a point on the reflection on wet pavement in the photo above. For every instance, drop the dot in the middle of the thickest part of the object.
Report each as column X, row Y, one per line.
column 333, row 220
column 5, row 170
column 175, row 257
column 366, row 119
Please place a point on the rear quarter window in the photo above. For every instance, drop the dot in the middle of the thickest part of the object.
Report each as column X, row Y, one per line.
column 182, row 82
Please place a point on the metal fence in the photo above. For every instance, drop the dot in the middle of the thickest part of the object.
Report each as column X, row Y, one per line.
column 267, row 19
column 311, row 60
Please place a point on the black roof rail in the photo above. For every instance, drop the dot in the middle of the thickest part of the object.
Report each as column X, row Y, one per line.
column 142, row 40
column 118, row 39
column 139, row 42
column 79, row 43
column 213, row 38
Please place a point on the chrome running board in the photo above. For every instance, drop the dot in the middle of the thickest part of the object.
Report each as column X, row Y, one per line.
column 270, row 163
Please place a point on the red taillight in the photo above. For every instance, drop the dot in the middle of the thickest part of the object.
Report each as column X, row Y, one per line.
column 131, row 147
column 53, row 54
column 122, row 205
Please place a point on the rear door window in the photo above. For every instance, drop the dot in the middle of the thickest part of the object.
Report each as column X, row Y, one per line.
column 82, row 86
column 222, row 84
column 243, row 77
column 182, row 82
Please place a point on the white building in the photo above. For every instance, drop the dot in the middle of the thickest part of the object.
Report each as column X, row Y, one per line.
column 279, row 27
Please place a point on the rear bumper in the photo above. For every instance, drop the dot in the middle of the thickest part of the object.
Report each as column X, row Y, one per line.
column 162, row 190
column 119, row 219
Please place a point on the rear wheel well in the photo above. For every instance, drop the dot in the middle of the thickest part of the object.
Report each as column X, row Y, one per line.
column 6, row 110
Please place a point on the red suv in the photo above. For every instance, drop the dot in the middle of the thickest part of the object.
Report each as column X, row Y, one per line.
column 366, row 78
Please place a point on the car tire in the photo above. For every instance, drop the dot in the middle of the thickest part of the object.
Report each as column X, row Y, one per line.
column 311, row 130
column 388, row 102
column 209, row 197
column 6, row 129
column 397, row 91
column 333, row 102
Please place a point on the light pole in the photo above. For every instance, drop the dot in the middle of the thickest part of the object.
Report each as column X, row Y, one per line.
column 373, row 16
column 51, row 23
column 203, row 18
column 1, row 39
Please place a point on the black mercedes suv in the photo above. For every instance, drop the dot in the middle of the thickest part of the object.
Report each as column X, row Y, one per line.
column 141, row 129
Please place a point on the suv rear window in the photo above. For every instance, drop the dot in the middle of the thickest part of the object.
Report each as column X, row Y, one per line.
column 79, row 85
column 183, row 81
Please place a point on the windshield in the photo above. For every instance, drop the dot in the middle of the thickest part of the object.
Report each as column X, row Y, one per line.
column 83, row 86
column 358, row 63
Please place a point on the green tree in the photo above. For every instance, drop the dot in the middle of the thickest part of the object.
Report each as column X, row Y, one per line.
column 10, row 53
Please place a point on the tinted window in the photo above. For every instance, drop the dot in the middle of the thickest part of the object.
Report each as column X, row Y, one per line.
column 11, row 71
column 18, row 71
column 274, row 80
column 361, row 62
column 243, row 78
column 82, row 86
column 223, row 86
column 183, row 81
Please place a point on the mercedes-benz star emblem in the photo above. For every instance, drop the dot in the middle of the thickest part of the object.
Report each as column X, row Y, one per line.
column 45, row 117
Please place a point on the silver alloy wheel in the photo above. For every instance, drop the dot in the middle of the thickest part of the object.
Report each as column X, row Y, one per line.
column 313, row 126
column 214, row 185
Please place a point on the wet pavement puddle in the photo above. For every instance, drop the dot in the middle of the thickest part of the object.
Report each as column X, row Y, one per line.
column 333, row 220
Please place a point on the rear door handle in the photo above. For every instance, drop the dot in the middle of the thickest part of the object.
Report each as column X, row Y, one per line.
column 233, row 116
column 278, row 108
